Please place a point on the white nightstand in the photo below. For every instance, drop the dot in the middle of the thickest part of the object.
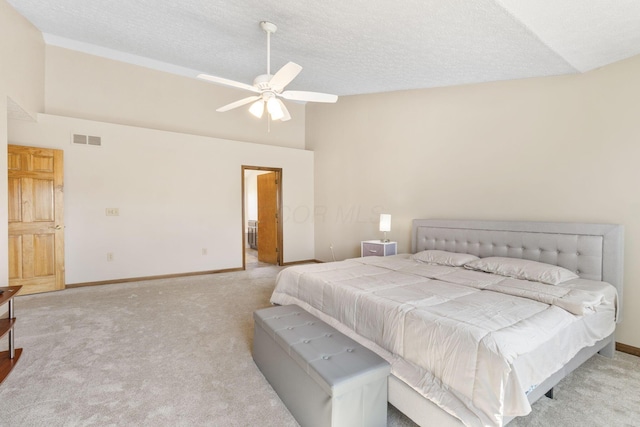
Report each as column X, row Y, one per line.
column 378, row 248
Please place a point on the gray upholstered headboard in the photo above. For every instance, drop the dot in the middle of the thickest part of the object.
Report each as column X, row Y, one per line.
column 593, row 251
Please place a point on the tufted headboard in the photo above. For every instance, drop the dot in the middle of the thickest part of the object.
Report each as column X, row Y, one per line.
column 592, row 251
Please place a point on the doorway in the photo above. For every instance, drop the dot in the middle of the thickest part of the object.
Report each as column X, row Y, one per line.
column 261, row 216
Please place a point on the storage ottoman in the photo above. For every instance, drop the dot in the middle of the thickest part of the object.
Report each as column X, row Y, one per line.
column 322, row 376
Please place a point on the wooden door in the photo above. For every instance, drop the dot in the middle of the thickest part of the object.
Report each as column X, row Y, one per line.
column 268, row 218
column 36, row 228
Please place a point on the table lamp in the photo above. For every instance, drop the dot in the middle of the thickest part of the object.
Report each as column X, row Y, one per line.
column 385, row 225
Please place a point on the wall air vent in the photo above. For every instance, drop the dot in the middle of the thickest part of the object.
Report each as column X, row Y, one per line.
column 79, row 139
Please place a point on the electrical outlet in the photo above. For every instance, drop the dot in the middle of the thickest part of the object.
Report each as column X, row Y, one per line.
column 109, row 256
column 112, row 211
column 204, row 251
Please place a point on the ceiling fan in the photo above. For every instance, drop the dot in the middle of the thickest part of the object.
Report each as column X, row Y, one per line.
column 270, row 88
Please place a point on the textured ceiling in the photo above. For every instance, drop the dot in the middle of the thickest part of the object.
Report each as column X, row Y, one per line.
column 350, row 46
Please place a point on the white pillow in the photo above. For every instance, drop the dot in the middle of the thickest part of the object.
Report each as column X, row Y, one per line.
column 523, row 269
column 443, row 258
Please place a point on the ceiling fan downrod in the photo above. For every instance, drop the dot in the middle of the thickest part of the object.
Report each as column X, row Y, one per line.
column 268, row 28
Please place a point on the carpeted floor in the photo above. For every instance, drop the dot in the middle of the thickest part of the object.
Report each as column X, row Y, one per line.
column 177, row 352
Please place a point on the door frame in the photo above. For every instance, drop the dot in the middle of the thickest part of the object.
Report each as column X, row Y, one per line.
column 278, row 204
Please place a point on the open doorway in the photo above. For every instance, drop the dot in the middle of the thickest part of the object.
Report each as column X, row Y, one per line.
column 261, row 216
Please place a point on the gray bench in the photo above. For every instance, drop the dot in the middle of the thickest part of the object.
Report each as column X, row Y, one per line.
column 323, row 377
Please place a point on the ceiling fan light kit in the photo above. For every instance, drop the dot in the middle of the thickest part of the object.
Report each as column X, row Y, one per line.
column 270, row 88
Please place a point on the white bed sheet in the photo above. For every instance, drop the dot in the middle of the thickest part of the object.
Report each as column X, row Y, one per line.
column 474, row 353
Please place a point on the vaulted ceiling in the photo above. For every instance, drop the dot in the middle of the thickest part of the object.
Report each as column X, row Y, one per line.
column 350, row 46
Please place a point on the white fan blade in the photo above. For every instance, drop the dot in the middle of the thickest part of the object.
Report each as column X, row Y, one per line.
column 284, row 75
column 286, row 116
column 301, row 95
column 228, row 82
column 237, row 104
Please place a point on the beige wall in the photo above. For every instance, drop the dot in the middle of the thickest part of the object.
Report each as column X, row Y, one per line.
column 94, row 88
column 177, row 194
column 22, row 79
column 550, row 149
column 22, row 57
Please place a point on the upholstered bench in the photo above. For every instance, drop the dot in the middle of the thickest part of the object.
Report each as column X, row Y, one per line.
column 322, row 376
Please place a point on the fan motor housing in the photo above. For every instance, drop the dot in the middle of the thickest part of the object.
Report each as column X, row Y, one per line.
column 262, row 83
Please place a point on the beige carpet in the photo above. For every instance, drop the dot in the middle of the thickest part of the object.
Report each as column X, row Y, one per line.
column 177, row 352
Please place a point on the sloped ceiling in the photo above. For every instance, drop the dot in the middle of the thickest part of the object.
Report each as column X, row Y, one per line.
column 350, row 47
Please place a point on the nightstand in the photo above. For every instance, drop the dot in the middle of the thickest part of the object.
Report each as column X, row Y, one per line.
column 378, row 248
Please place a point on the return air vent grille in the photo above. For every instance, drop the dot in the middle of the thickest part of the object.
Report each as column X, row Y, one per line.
column 79, row 139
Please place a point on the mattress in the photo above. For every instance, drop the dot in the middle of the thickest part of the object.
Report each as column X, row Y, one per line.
column 473, row 343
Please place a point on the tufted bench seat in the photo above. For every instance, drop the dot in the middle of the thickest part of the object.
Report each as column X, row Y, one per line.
column 323, row 377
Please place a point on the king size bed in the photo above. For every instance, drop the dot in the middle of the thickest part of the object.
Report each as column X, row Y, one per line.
column 481, row 320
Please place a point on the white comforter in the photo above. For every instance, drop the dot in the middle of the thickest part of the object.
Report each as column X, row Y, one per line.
column 450, row 333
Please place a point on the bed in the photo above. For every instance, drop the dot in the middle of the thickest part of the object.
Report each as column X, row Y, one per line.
column 482, row 320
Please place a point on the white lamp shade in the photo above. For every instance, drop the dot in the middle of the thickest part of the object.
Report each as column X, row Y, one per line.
column 273, row 106
column 257, row 108
column 385, row 222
